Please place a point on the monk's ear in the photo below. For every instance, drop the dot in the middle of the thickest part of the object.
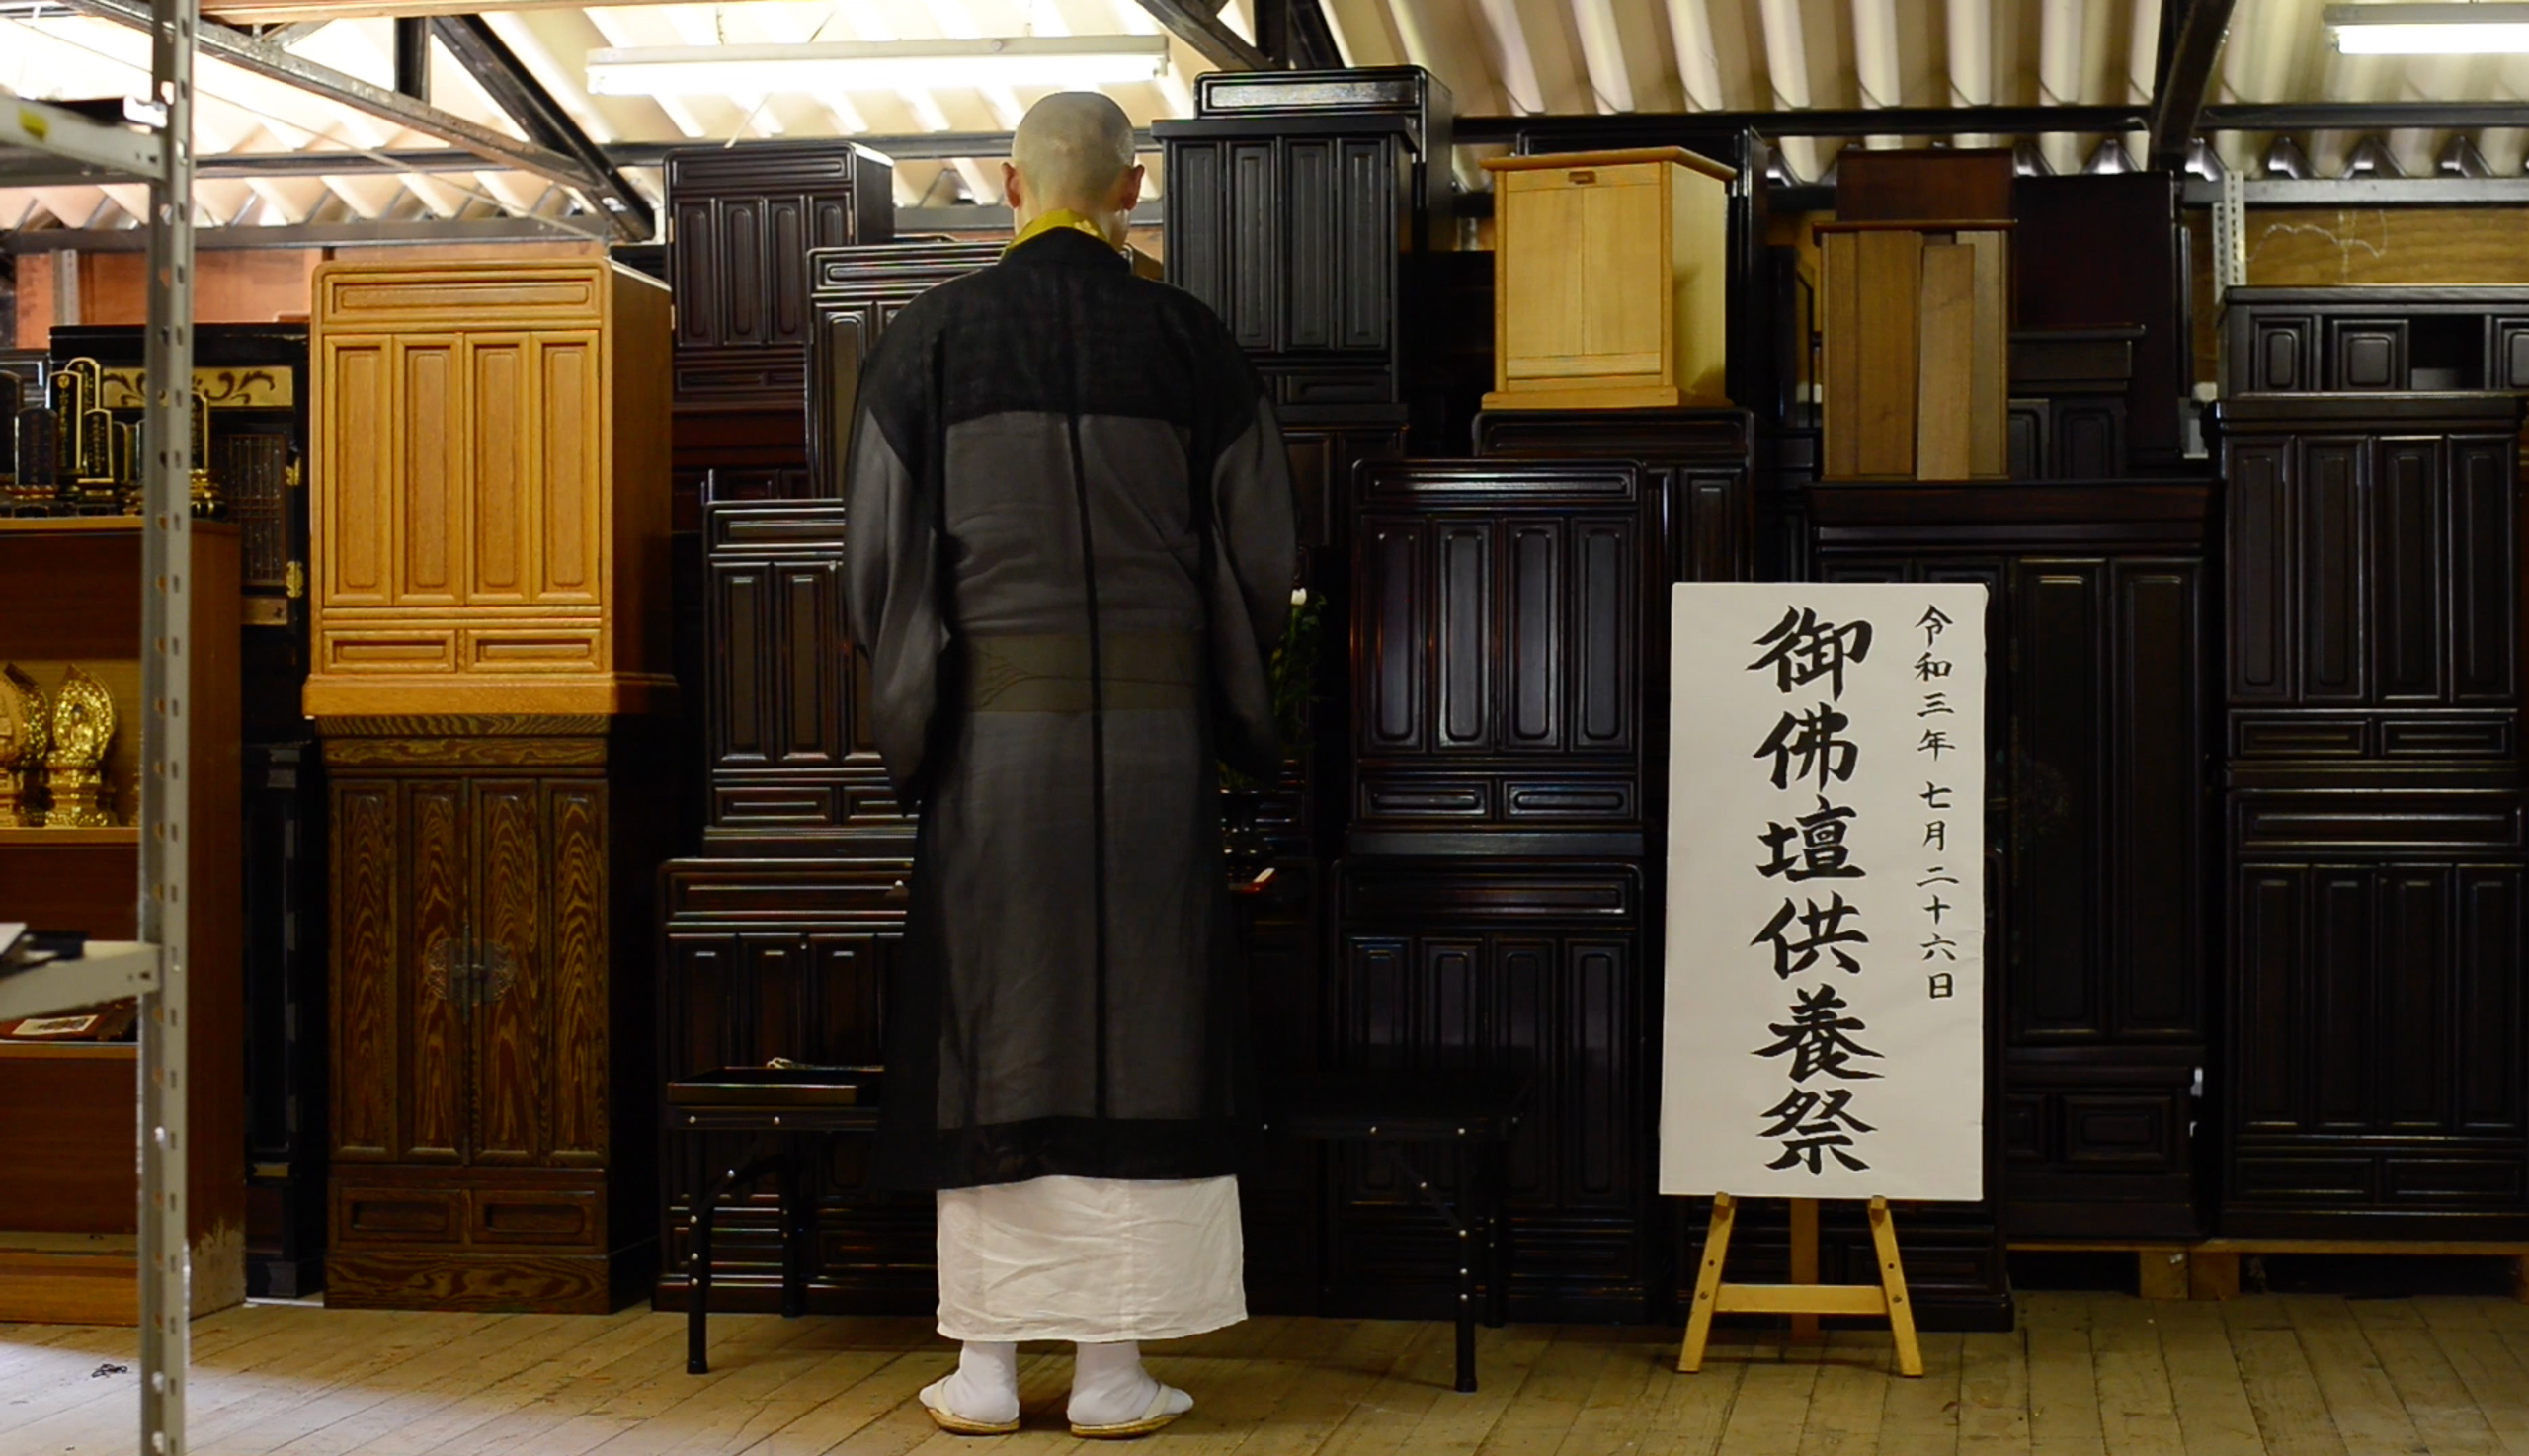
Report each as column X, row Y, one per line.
column 1128, row 189
column 1010, row 185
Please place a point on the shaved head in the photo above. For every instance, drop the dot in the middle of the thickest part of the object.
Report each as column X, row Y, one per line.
column 1074, row 151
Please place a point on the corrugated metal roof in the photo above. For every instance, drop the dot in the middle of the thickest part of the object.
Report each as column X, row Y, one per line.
column 1498, row 57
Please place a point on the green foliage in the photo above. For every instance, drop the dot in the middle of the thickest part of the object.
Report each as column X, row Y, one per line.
column 1291, row 675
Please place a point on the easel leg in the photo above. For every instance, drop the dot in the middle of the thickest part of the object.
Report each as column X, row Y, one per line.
column 1891, row 1280
column 1716, row 1249
column 1804, row 1263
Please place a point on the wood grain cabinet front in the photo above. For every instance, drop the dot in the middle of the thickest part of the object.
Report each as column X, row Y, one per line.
column 489, row 496
column 481, row 872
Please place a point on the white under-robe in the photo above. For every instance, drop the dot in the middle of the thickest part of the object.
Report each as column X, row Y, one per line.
column 1091, row 1259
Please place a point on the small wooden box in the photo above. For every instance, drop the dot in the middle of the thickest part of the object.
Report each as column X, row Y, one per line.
column 1614, row 275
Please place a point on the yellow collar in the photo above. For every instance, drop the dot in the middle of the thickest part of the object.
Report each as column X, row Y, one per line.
column 1055, row 221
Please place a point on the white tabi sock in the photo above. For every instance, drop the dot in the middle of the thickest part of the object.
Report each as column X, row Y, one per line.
column 984, row 1388
column 1110, row 1387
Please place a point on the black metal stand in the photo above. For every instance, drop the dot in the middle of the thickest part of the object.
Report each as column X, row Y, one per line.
column 1477, row 1111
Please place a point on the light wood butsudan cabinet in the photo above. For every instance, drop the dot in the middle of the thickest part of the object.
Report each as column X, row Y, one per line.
column 490, row 512
column 1614, row 270
column 491, row 509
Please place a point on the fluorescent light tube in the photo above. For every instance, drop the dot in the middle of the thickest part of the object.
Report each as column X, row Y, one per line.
column 2444, row 29
column 1083, row 61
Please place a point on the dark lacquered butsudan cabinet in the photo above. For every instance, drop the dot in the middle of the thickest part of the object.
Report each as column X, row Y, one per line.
column 2372, row 816
column 2099, row 833
column 776, row 938
column 742, row 220
column 1497, row 897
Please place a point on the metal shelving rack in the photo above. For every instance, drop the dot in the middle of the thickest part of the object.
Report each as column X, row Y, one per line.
column 42, row 144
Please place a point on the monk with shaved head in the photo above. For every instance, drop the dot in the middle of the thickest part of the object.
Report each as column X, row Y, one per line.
column 1071, row 553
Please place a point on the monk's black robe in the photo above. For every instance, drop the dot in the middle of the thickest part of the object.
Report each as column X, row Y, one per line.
column 1070, row 556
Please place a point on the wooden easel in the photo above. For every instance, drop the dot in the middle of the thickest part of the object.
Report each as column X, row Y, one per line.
column 1804, row 1299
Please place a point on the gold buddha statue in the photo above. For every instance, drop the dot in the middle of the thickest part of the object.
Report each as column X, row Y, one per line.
column 26, row 733
column 83, row 726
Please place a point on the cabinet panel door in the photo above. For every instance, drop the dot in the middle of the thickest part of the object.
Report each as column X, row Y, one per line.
column 2332, row 589
column 2158, row 978
column 577, row 957
column 571, row 419
column 2258, row 544
column 2412, row 1021
column 742, row 693
column 1313, row 259
column 1391, row 588
column 2368, row 353
column 370, row 960
column 1537, row 632
column 698, row 274
column 1197, row 227
column 2491, row 1039
column 501, row 393
column 511, row 1044
column 2485, row 581
column 2339, row 1040
column 2055, row 823
column 1606, row 568
column 704, row 970
column 742, row 319
column 808, row 595
column 831, row 223
column 2268, row 999
column 356, row 479
column 2410, row 587
column 1602, row 1093
column 1463, row 620
column 2282, row 360
column 433, row 971
column 429, row 504
column 1365, row 262
column 779, row 972
column 785, row 267
column 1255, row 256
column 850, row 997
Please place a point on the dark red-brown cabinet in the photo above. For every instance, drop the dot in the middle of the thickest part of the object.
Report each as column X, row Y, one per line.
column 2373, row 818
column 741, row 224
column 2097, row 843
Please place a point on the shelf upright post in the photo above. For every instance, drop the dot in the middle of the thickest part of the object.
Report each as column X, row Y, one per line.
column 167, row 556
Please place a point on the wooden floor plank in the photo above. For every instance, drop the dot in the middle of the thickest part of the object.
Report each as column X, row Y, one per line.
column 1557, row 1386
column 1691, row 1412
column 2288, row 1375
column 1849, row 1399
column 1993, row 1394
column 2496, row 1379
column 2062, row 1376
column 1640, row 1365
column 2435, row 1398
column 2214, row 1415
column 1236, row 1396
column 1772, row 1402
column 1923, row 1416
column 1460, row 1424
column 2291, row 1411
column 1315, row 1405
column 2137, row 1410
column 2361, row 1400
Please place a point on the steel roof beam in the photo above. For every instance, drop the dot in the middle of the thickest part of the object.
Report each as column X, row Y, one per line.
column 1199, row 28
column 244, row 52
column 2177, row 101
column 504, row 78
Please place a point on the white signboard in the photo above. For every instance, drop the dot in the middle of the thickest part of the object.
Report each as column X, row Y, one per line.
column 1825, row 1016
